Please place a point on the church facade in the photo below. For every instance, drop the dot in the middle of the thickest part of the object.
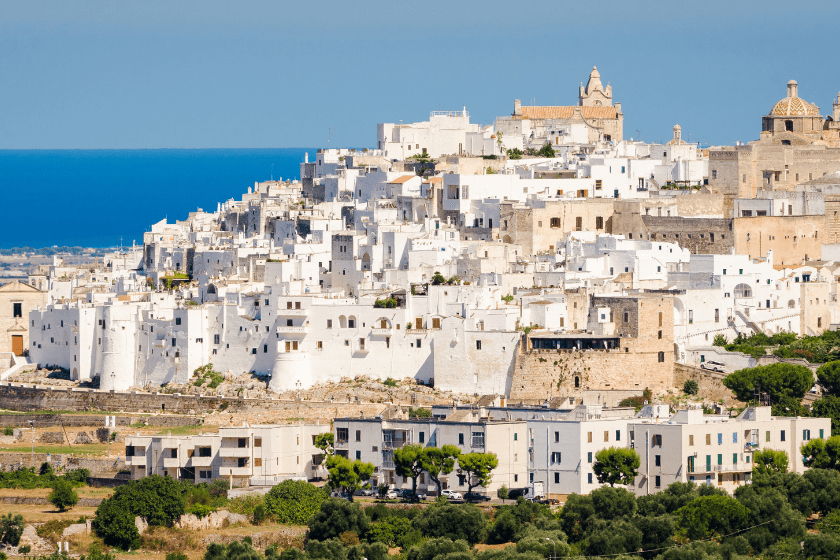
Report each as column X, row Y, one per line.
column 594, row 119
column 796, row 145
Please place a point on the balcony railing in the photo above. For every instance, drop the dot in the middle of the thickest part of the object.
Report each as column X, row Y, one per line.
column 342, row 443
column 171, row 462
column 136, row 461
column 235, row 471
column 292, row 312
column 381, row 332
column 743, row 467
column 196, row 461
column 234, row 452
column 387, row 464
column 292, row 330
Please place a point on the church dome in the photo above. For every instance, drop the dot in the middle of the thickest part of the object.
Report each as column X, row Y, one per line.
column 793, row 105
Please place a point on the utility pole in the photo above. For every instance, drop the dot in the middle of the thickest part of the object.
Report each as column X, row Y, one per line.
column 32, row 424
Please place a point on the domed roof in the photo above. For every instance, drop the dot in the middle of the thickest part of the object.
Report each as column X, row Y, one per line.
column 793, row 105
column 594, row 82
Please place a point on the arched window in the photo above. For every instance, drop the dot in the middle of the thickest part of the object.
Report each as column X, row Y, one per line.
column 791, row 304
column 743, row 291
column 789, row 126
column 351, row 322
column 342, row 322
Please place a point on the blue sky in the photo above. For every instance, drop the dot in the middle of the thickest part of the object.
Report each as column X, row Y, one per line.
column 259, row 74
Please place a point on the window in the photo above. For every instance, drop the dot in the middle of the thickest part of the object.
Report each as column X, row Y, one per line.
column 351, row 323
column 17, row 310
column 342, row 435
column 720, row 439
column 515, row 436
column 626, row 317
column 589, row 437
column 257, row 442
column 358, row 435
column 599, row 222
column 657, row 440
column 556, row 478
column 216, row 339
column 319, row 345
column 589, row 457
column 717, row 315
column 767, row 436
column 177, row 320
column 358, row 454
column 419, row 341
column 589, row 478
column 478, row 345
column 709, row 439
column 265, row 348
column 556, row 437
column 555, row 457
column 477, row 439
column 657, row 461
column 329, row 323
column 734, row 458
column 720, row 459
column 579, row 224
column 242, row 442
column 422, row 437
column 598, row 184
column 690, row 439
column 257, row 461
column 661, row 356
column 806, row 435
column 460, row 439
column 658, row 481
column 173, row 342
column 734, row 437
column 606, row 435
column 618, row 435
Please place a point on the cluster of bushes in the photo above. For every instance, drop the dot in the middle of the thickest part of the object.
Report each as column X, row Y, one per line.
column 26, row 477
column 205, row 373
column 815, row 349
column 387, row 303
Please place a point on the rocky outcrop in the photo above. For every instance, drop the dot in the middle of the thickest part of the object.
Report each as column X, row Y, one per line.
column 141, row 525
column 78, row 529
column 39, row 546
column 215, row 520
column 51, row 437
column 284, row 537
column 83, row 437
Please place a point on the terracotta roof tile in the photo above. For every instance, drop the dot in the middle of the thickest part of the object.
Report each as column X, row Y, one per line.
column 402, row 179
column 566, row 112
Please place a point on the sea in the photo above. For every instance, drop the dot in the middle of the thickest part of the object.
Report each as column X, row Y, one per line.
column 104, row 198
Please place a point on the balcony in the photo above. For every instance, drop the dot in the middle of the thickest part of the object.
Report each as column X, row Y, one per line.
column 292, row 330
column 416, row 331
column 196, row 461
column 743, row 467
column 235, row 471
column 341, row 444
column 234, row 452
column 171, row 463
column 381, row 332
column 393, row 443
column 136, row 461
column 387, row 465
column 292, row 312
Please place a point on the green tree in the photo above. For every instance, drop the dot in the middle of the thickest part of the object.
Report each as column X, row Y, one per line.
column 770, row 515
column 611, row 503
column 720, row 340
column 822, row 453
column 614, row 537
column 668, row 501
column 462, row 521
column 408, row 463
column 157, row 499
column 616, row 465
column 63, row 496
column 690, row 387
column 514, row 153
column 780, row 382
column 347, row 475
column 477, row 468
column 439, row 461
column 325, row 442
column 336, row 517
column 828, row 407
column 294, row 502
column 829, row 376
column 711, row 516
column 657, row 532
column 11, row 528
column 576, row 515
column 770, row 460
column 439, row 549
column 45, row 469
column 503, row 493
column 546, row 151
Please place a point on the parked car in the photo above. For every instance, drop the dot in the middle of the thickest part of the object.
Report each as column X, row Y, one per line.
column 392, row 494
column 452, row 495
column 712, row 365
column 340, row 495
column 476, row 497
column 366, row 492
column 412, row 497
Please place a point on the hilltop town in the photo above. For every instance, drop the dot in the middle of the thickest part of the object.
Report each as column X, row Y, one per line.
column 544, row 276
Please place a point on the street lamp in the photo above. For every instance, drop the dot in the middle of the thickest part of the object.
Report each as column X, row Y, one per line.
column 553, row 556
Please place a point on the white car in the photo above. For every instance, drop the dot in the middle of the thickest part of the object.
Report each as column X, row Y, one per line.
column 392, row 495
column 712, row 365
column 452, row 495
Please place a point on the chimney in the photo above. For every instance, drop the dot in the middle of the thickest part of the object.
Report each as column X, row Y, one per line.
column 517, row 107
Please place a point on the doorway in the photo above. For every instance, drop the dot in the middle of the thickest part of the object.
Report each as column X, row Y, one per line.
column 17, row 345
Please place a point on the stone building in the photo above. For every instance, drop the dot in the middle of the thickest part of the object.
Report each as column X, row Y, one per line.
column 16, row 301
column 595, row 112
column 796, row 145
column 629, row 347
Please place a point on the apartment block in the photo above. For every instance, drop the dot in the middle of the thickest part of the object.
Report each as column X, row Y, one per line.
column 249, row 456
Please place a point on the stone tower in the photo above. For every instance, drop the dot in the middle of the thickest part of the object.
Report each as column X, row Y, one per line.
column 594, row 94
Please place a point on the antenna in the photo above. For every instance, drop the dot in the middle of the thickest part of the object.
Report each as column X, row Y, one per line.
column 272, row 171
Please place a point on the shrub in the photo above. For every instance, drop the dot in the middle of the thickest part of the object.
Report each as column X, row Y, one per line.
column 390, row 382
column 11, row 529
column 201, row 510
column 259, row 514
column 8, row 431
column 336, row 517
column 294, row 502
column 63, row 496
column 690, row 387
column 464, row 522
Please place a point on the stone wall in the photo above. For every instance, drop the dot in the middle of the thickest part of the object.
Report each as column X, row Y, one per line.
column 710, row 382
column 13, row 397
column 87, row 420
column 701, row 236
column 792, row 238
column 10, row 461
